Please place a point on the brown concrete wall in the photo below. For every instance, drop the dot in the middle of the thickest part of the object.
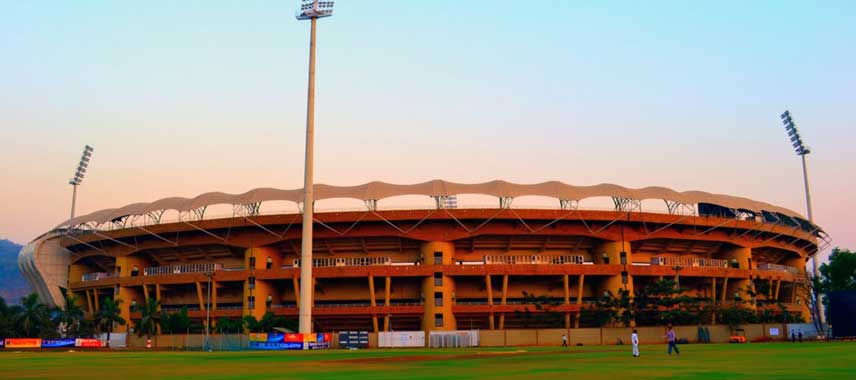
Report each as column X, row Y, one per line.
column 550, row 337
column 586, row 336
column 520, row 338
column 492, row 338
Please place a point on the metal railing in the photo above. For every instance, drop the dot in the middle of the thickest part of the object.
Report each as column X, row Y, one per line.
column 179, row 269
column 346, row 261
column 689, row 262
column 96, row 276
column 533, row 259
column 778, row 268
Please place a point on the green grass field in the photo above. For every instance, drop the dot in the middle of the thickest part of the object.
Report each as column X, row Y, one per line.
column 716, row 361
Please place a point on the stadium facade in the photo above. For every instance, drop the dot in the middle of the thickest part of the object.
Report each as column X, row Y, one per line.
column 440, row 268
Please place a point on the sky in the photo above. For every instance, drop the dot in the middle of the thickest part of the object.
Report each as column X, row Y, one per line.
column 181, row 98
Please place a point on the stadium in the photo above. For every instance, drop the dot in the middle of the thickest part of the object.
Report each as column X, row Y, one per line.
column 448, row 263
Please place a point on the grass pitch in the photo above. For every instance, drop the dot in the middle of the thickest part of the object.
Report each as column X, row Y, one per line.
column 713, row 361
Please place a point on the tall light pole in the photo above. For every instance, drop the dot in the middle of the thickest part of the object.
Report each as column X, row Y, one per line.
column 79, row 174
column 310, row 10
column 802, row 150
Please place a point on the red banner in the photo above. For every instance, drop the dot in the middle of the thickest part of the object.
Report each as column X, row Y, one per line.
column 293, row 338
column 23, row 343
column 88, row 343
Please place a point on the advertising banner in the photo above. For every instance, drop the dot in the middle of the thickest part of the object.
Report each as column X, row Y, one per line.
column 23, row 343
column 354, row 339
column 290, row 341
column 258, row 337
column 276, row 345
column 318, row 341
column 401, row 339
column 56, row 343
column 87, row 343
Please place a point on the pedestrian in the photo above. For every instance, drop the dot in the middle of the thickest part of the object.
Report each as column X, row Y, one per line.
column 564, row 340
column 673, row 341
column 793, row 336
column 799, row 335
column 634, row 339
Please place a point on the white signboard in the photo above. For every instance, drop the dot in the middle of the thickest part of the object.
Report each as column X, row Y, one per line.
column 774, row 331
column 401, row 339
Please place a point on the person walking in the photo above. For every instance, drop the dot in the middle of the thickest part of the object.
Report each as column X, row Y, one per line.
column 673, row 341
column 793, row 336
column 564, row 340
column 799, row 335
column 634, row 339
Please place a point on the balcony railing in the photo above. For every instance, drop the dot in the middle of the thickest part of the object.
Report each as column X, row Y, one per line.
column 689, row 262
column 96, row 276
column 533, row 259
column 346, row 261
column 778, row 268
column 179, row 269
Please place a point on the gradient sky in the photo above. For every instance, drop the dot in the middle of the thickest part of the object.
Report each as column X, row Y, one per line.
column 181, row 98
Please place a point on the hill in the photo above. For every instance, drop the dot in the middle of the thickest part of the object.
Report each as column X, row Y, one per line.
column 13, row 286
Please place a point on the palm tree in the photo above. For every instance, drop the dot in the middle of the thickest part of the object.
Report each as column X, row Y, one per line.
column 70, row 316
column 109, row 315
column 150, row 318
column 31, row 317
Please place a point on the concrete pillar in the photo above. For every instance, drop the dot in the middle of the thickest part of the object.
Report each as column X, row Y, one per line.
column 445, row 256
column 256, row 259
column 741, row 286
column 128, row 295
column 610, row 252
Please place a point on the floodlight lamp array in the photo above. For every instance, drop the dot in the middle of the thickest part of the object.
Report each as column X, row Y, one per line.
column 82, row 166
column 314, row 9
column 794, row 134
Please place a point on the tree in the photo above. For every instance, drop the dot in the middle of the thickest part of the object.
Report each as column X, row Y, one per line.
column 150, row 317
column 839, row 273
column 172, row 323
column 267, row 323
column 544, row 316
column 6, row 322
column 69, row 317
column 226, row 325
column 108, row 316
column 32, row 318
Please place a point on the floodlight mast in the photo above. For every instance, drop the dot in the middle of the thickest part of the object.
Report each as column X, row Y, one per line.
column 79, row 174
column 802, row 150
column 309, row 10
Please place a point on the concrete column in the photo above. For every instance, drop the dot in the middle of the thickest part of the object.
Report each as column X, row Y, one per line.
column 446, row 256
column 741, row 286
column 612, row 251
column 128, row 295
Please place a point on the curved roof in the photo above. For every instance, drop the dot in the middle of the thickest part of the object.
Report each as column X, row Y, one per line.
column 379, row 190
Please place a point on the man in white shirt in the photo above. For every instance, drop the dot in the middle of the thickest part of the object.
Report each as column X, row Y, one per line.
column 634, row 339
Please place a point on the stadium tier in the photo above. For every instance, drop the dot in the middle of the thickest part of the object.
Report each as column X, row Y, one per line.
column 444, row 267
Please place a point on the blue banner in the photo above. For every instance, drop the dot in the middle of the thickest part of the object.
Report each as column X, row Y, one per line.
column 276, row 345
column 54, row 343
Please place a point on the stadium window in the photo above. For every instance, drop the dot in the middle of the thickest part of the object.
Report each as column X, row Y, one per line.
column 269, row 263
column 251, row 302
column 252, row 262
column 251, row 282
column 438, row 299
column 438, row 279
column 438, row 257
column 438, row 320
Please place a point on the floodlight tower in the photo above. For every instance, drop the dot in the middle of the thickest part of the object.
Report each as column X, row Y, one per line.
column 802, row 150
column 79, row 174
column 310, row 10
